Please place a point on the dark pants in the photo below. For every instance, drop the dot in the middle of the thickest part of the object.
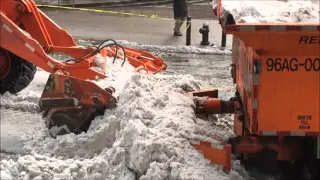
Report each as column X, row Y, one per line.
column 180, row 12
column 180, row 9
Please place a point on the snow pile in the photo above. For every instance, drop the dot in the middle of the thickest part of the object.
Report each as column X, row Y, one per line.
column 20, row 102
column 44, row 167
column 145, row 137
column 117, row 73
column 265, row 11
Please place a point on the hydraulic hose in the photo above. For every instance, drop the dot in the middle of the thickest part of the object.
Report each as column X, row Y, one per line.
column 99, row 48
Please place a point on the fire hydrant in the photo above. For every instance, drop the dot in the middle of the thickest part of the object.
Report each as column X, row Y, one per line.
column 205, row 34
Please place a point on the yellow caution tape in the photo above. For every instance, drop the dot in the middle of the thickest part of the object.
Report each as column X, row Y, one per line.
column 154, row 16
column 188, row 25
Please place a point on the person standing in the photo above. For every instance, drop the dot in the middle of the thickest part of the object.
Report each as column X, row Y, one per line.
column 180, row 11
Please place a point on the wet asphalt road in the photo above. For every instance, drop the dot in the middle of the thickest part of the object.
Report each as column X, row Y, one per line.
column 213, row 70
column 197, row 10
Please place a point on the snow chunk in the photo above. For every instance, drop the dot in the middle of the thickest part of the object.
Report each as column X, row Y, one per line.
column 265, row 11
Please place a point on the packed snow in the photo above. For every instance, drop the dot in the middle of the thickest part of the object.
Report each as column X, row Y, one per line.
column 271, row 11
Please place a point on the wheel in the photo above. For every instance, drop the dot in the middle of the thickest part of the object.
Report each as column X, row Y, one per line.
column 291, row 170
column 248, row 163
column 312, row 170
column 15, row 73
column 312, row 164
column 268, row 162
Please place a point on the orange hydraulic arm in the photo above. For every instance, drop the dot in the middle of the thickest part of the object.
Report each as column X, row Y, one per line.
column 29, row 33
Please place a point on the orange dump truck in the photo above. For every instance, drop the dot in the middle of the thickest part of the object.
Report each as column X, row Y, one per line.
column 276, row 107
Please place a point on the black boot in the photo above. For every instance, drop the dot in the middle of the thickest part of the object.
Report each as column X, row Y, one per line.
column 177, row 26
column 177, row 33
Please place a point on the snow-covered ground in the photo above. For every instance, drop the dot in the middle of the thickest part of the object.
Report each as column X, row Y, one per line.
column 145, row 137
column 208, row 50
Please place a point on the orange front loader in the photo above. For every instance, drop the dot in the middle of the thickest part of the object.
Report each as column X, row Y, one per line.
column 69, row 101
column 276, row 107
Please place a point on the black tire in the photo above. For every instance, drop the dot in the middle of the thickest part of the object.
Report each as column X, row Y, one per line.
column 312, row 164
column 248, row 164
column 21, row 74
column 268, row 162
column 291, row 170
column 312, row 170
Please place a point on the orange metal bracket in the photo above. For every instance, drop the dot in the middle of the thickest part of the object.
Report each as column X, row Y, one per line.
column 217, row 152
column 141, row 60
column 64, row 91
column 203, row 93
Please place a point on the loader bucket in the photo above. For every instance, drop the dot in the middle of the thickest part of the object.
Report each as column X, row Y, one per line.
column 69, row 104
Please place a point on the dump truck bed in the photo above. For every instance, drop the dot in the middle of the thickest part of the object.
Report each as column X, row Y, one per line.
column 278, row 74
column 276, row 70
